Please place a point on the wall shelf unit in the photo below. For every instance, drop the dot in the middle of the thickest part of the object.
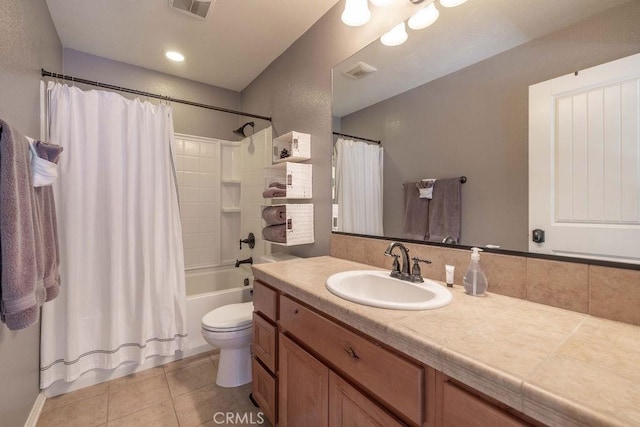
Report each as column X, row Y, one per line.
column 296, row 228
column 292, row 147
column 296, row 177
column 287, row 179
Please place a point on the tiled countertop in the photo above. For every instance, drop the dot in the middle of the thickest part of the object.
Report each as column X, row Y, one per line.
column 555, row 365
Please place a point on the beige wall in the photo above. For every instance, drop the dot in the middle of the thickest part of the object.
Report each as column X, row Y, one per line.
column 611, row 293
column 28, row 42
column 475, row 123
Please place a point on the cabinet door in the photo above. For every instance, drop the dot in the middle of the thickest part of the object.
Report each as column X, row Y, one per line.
column 350, row 408
column 264, row 341
column 458, row 407
column 303, row 387
column 264, row 390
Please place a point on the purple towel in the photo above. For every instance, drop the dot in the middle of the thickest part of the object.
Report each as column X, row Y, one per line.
column 273, row 192
column 279, row 185
column 445, row 210
column 27, row 233
column 275, row 233
column 274, row 215
column 415, row 225
column 49, row 152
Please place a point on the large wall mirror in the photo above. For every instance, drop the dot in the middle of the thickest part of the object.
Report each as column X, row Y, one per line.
column 453, row 101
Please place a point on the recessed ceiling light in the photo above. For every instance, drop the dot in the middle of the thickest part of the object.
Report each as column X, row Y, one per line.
column 174, row 56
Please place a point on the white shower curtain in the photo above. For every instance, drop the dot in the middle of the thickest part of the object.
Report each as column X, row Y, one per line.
column 122, row 294
column 359, row 173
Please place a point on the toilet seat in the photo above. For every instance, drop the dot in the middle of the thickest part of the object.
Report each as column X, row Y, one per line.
column 229, row 318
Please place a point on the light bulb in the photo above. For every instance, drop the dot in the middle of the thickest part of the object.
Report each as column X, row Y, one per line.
column 356, row 13
column 382, row 3
column 424, row 17
column 174, row 56
column 451, row 3
column 396, row 36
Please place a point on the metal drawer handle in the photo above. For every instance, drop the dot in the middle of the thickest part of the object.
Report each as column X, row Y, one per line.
column 352, row 353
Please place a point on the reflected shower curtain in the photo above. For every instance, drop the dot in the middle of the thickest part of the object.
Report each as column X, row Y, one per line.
column 359, row 173
column 122, row 293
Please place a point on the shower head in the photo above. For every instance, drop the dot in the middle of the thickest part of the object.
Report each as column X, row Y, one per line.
column 240, row 130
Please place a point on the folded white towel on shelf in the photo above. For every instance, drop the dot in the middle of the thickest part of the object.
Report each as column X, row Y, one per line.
column 425, row 187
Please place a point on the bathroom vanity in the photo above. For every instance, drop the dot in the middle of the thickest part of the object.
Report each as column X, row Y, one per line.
column 498, row 361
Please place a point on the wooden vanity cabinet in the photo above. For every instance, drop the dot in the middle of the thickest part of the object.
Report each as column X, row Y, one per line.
column 303, row 394
column 264, row 347
column 458, row 405
column 388, row 377
column 349, row 407
column 310, row 370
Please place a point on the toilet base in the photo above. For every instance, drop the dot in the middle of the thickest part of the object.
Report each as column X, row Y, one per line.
column 234, row 367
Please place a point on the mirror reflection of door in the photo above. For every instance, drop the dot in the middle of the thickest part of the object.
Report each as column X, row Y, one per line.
column 584, row 162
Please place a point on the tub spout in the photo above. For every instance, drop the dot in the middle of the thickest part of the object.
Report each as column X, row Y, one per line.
column 244, row 261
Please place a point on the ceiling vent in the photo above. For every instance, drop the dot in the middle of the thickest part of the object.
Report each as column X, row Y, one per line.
column 195, row 8
column 359, row 70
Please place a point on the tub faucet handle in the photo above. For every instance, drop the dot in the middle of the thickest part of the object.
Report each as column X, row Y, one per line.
column 250, row 240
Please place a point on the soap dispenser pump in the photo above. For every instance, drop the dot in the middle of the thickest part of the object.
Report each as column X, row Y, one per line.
column 475, row 282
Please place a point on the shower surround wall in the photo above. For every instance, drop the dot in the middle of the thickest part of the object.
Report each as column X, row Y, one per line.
column 198, row 172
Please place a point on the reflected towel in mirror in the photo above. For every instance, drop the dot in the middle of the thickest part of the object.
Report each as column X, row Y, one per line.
column 415, row 224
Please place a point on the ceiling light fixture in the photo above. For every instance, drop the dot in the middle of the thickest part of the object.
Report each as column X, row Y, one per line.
column 424, row 17
column 356, row 13
column 396, row 36
column 451, row 3
column 174, row 56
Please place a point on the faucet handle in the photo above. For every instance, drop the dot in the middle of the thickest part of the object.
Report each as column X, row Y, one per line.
column 395, row 269
column 416, row 274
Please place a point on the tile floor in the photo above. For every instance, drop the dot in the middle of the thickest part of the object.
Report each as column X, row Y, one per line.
column 181, row 393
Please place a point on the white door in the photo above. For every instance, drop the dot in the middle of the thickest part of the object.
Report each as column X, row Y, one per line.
column 584, row 162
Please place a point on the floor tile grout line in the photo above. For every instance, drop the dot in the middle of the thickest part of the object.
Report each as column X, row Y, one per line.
column 173, row 400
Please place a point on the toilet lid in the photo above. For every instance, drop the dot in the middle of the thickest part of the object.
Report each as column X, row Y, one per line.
column 228, row 317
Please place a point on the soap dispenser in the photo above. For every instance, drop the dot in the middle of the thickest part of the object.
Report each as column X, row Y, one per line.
column 475, row 282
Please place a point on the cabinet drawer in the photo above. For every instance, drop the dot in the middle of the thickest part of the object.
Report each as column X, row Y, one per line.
column 263, row 388
column 461, row 408
column 390, row 378
column 264, row 342
column 265, row 300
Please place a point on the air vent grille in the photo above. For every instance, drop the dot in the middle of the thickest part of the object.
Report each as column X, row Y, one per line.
column 360, row 70
column 195, row 8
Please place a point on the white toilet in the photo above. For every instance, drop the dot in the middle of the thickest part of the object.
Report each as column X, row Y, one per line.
column 230, row 329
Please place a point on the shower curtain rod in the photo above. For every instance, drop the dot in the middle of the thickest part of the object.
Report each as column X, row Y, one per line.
column 46, row 73
column 375, row 141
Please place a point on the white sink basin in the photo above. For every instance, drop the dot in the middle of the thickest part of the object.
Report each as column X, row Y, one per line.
column 377, row 289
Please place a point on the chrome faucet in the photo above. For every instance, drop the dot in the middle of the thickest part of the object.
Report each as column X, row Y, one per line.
column 244, row 261
column 404, row 274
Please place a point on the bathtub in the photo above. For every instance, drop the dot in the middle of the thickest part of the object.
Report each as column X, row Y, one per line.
column 209, row 289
